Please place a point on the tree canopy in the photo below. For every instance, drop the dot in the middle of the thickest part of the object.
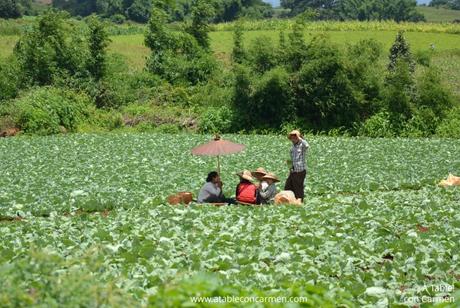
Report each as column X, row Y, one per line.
column 450, row 4
column 178, row 10
column 398, row 10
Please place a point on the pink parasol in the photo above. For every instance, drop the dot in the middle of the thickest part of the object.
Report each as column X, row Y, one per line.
column 218, row 147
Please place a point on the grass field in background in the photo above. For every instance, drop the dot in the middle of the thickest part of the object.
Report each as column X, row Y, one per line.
column 132, row 46
column 7, row 43
column 433, row 14
column 446, row 57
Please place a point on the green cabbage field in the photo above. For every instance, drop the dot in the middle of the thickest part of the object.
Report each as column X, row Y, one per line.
column 83, row 222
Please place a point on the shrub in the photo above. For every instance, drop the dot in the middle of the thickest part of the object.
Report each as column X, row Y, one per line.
column 119, row 87
column 422, row 124
column 216, row 120
column 50, row 48
column 168, row 129
column 399, row 94
column 118, row 19
column 450, row 126
column 262, row 54
column 177, row 56
column 423, row 57
column 271, row 103
column 44, row 111
column 202, row 13
column 101, row 119
column 325, row 95
column 238, row 52
column 215, row 93
column 241, row 96
column 432, row 94
column 9, row 78
column 98, row 40
column 377, row 126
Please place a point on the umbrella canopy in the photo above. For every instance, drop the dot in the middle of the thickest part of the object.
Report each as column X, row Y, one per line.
column 218, row 147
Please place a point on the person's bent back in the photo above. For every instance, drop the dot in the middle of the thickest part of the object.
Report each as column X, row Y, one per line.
column 246, row 191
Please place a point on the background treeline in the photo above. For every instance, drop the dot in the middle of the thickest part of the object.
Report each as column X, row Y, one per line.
column 398, row 10
column 17, row 8
column 450, row 4
column 60, row 78
column 179, row 10
column 228, row 10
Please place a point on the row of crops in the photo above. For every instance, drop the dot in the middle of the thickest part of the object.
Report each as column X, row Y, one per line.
column 288, row 24
column 93, row 229
column 40, row 175
column 14, row 27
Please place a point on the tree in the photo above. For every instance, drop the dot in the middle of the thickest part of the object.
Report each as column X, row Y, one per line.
column 202, row 13
column 432, row 94
column 325, row 95
column 398, row 10
column 175, row 56
column 52, row 47
column 400, row 51
column 238, row 53
column 241, row 97
column 9, row 9
column 271, row 104
column 98, row 41
column 399, row 94
column 262, row 54
column 450, row 4
column 140, row 10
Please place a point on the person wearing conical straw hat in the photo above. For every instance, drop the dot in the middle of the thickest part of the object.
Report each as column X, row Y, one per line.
column 297, row 164
column 268, row 194
column 246, row 191
column 258, row 175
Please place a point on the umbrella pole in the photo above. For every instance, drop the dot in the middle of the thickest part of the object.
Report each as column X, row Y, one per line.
column 218, row 164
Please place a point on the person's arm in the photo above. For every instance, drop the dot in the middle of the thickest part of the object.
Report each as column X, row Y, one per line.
column 264, row 193
column 305, row 144
column 213, row 190
column 271, row 191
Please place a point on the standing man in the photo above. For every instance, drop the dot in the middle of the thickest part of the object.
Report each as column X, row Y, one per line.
column 298, row 168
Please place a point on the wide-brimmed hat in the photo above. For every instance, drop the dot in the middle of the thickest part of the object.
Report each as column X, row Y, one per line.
column 259, row 172
column 245, row 174
column 271, row 176
column 294, row 133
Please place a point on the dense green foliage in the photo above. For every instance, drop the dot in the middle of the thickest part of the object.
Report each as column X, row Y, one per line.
column 51, row 48
column 15, row 8
column 268, row 84
column 46, row 111
column 9, row 76
column 398, row 10
column 180, row 56
column 320, row 87
column 451, row 4
column 181, row 10
column 98, row 42
column 374, row 219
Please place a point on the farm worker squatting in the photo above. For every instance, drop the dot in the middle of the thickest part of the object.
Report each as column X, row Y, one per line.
column 298, row 170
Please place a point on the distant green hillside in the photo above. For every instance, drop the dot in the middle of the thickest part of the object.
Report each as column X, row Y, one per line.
column 433, row 14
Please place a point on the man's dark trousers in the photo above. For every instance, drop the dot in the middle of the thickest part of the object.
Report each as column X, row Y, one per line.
column 296, row 183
